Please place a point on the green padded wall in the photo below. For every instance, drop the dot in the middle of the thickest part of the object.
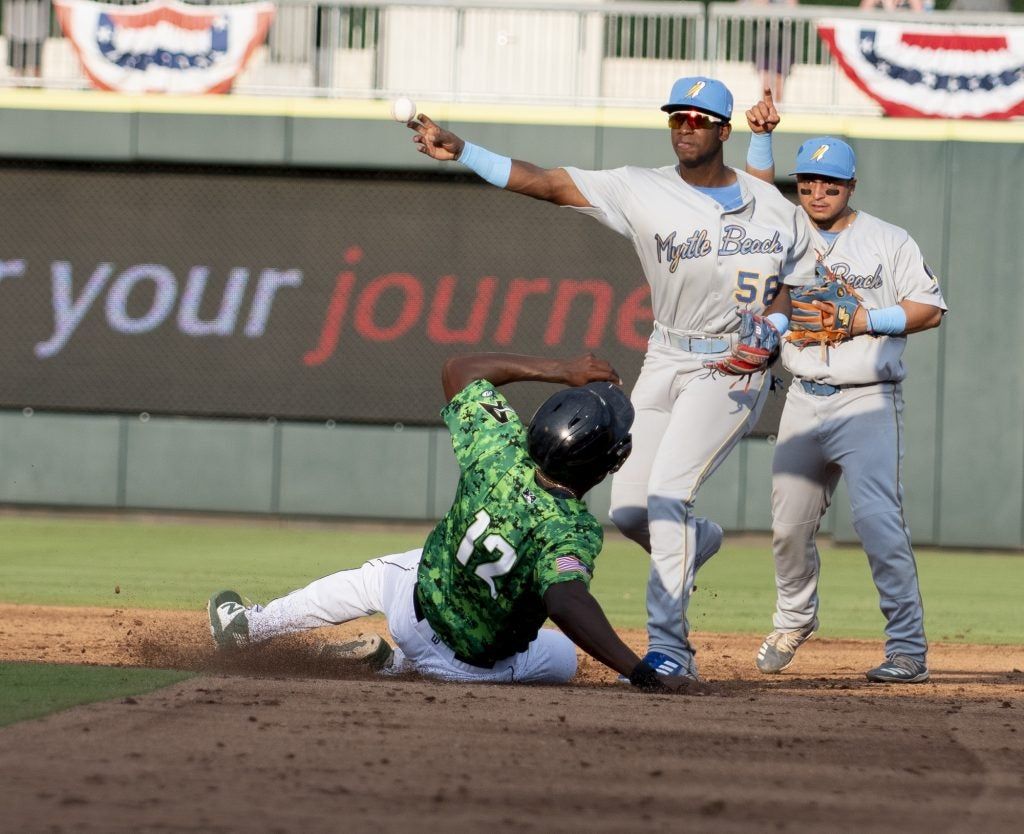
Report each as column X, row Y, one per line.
column 225, row 466
column 59, row 459
column 367, row 471
column 982, row 449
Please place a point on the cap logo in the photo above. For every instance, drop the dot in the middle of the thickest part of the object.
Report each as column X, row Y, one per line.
column 818, row 154
column 694, row 91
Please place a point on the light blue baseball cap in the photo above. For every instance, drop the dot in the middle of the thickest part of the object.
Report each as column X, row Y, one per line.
column 701, row 93
column 826, row 156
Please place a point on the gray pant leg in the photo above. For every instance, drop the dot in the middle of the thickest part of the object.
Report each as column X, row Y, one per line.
column 895, row 573
column 709, row 417
column 872, row 471
column 802, row 486
column 671, row 580
column 686, row 424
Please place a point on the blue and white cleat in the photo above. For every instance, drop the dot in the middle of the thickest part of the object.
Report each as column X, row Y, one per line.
column 665, row 665
column 899, row 668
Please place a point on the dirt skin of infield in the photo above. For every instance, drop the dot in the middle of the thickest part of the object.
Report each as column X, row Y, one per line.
column 281, row 742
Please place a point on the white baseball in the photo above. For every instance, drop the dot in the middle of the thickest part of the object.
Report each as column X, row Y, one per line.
column 403, row 109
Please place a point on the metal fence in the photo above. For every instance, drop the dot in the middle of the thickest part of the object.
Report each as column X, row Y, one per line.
column 572, row 53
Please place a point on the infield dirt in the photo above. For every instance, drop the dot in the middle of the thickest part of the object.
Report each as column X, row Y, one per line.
column 279, row 741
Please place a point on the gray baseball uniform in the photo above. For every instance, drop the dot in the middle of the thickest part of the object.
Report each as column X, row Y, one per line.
column 703, row 264
column 844, row 416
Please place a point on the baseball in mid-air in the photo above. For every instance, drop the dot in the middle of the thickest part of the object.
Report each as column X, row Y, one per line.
column 403, row 109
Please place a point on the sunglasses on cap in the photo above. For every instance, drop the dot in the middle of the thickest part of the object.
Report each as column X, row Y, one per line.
column 694, row 118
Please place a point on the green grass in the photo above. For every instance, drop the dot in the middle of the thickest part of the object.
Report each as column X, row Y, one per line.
column 30, row 690
column 173, row 565
column 969, row 597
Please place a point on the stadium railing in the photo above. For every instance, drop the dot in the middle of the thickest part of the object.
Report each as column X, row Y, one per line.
column 549, row 53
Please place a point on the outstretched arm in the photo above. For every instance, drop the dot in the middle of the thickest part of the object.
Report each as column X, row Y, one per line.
column 574, row 610
column 502, row 368
column 551, row 184
column 762, row 119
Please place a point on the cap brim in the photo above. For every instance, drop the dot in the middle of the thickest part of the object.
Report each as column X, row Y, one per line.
column 672, row 108
column 822, row 171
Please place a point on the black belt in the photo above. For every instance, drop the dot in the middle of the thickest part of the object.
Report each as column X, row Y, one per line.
column 418, row 609
column 823, row 389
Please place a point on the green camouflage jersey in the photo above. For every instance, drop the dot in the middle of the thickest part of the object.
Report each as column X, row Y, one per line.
column 504, row 542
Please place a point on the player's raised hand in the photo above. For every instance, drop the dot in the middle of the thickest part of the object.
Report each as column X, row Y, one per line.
column 588, row 368
column 434, row 140
column 763, row 117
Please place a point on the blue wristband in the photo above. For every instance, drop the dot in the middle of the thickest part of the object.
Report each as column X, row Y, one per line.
column 889, row 320
column 488, row 165
column 780, row 321
column 759, row 153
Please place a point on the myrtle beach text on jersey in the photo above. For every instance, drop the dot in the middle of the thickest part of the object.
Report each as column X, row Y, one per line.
column 871, row 281
column 735, row 241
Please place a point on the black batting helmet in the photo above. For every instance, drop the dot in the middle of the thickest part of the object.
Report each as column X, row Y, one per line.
column 579, row 435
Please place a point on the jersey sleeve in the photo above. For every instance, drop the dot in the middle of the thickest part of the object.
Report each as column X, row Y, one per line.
column 798, row 270
column 570, row 554
column 481, row 423
column 608, row 193
column 914, row 280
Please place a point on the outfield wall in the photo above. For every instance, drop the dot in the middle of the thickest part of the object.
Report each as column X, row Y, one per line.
column 952, row 184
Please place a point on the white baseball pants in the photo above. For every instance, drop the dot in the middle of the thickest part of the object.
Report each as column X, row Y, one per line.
column 856, row 433
column 385, row 585
column 687, row 422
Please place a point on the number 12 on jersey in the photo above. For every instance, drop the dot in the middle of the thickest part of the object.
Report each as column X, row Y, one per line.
column 748, row 287
column 488, row 571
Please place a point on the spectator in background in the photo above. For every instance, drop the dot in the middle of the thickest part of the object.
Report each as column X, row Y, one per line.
column 773, row 48
column 980, row 6
column 26, row 25
column 898, row 5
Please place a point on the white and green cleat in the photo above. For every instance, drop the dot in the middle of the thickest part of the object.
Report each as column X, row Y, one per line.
column 370, row 650
column 229, row 621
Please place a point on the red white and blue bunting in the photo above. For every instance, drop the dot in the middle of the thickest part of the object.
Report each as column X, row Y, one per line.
column 932, row 71
column 163, row 46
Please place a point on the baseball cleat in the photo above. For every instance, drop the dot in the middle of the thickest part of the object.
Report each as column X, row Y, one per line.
column 665, row 665
column 229, row 623
column 899, row 668
column 779, row 648
column 371, row 650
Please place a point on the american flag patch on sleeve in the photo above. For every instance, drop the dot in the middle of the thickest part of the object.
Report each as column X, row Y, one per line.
column 571, row 564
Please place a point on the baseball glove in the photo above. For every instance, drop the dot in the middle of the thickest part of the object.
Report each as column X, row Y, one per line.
column 822, row 314
column 756, row 347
